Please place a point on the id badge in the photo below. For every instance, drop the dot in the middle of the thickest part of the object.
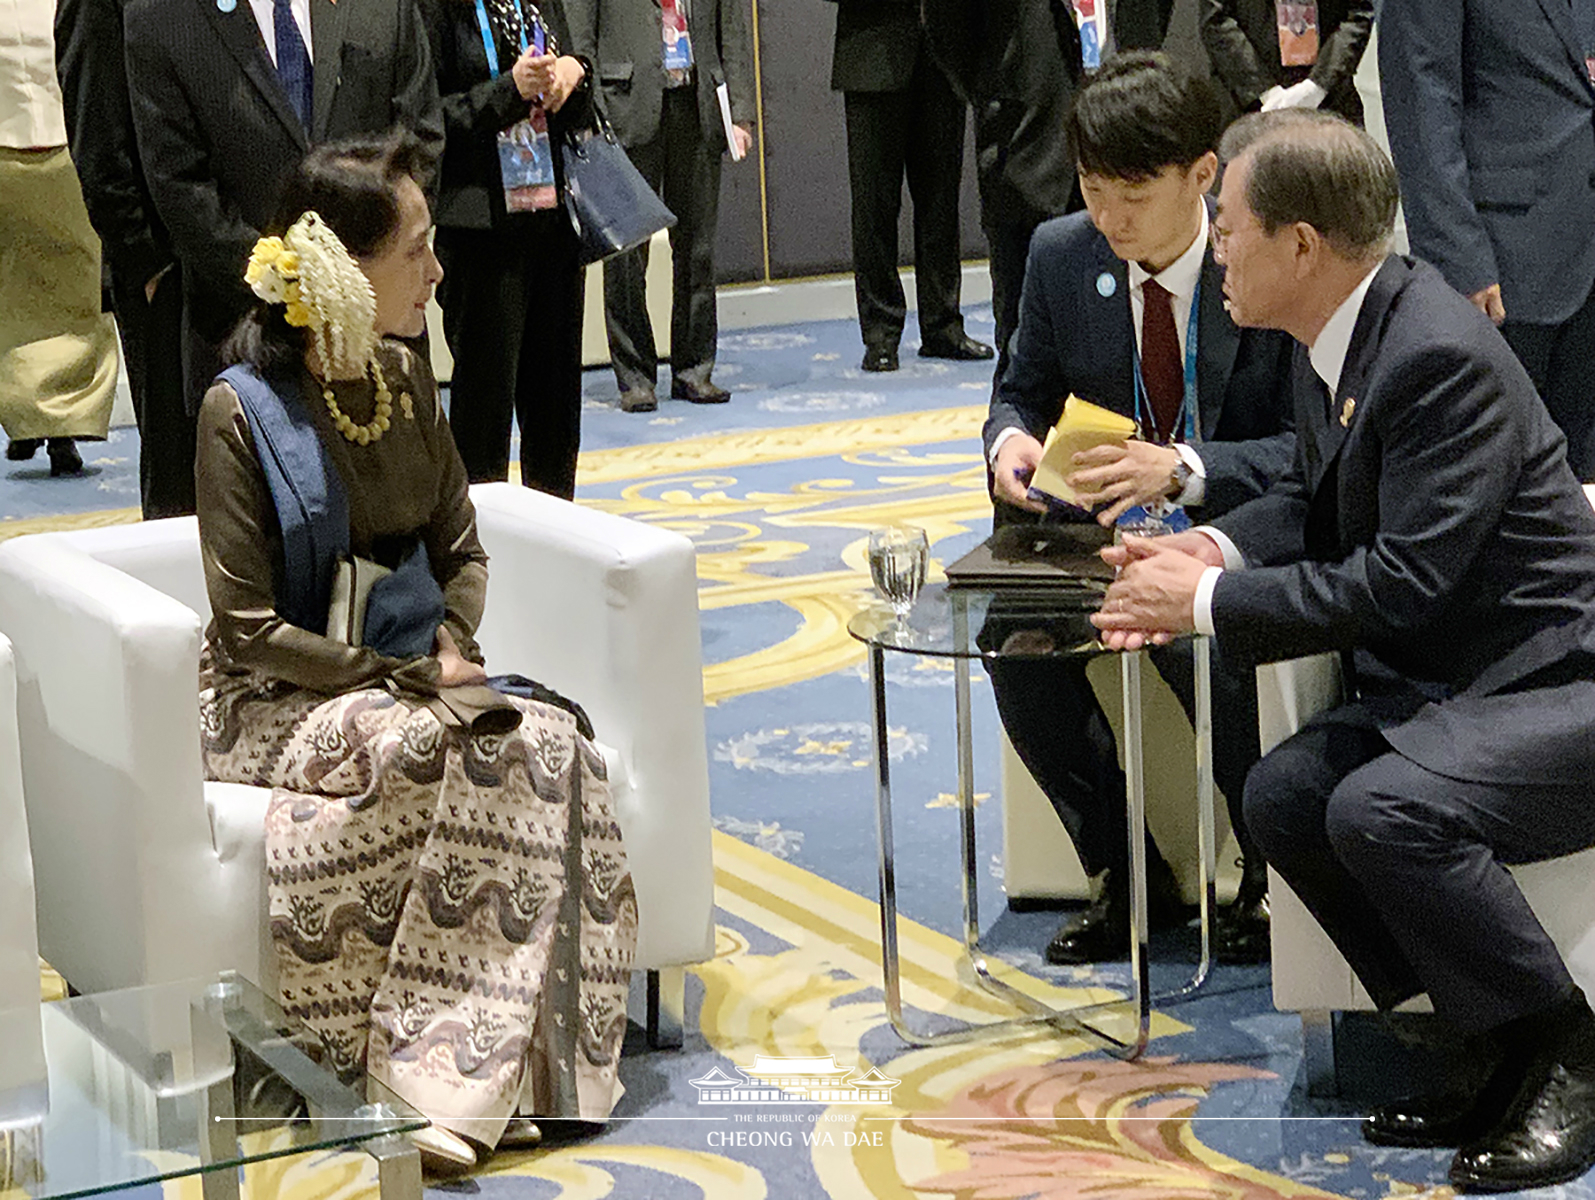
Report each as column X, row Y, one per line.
column 1298, row 32
column 678, row 43
column 1153, row 520
column 526, row 160
column 1089, row 15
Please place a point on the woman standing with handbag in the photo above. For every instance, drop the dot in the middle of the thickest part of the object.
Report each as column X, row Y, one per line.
column 512, row 285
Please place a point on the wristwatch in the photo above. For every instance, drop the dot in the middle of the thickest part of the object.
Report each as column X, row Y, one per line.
column 1179, row 477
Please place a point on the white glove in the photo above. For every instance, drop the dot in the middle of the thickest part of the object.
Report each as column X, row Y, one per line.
column 1305, row 94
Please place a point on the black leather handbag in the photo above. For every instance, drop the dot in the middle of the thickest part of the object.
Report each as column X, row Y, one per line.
column 611, row 205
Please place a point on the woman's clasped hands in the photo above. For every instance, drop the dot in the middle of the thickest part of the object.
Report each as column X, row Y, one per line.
column 547, row 77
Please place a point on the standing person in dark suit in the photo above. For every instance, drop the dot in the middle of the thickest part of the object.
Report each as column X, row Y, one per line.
column 1248, row 47
column 1017, row 63
column 145, row 288
column 1114, row 296
column 903, row 119
column 512, row 285
column 1489, row 109
column 1431, row 528
column 227, row 95
column 663, row 106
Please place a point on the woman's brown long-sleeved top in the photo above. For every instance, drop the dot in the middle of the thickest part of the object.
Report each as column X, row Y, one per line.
column 407, row 485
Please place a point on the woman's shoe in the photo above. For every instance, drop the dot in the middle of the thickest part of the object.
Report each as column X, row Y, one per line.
column 22, row 449
column 443, row 1152
column 521, row 1133
column 64, row 457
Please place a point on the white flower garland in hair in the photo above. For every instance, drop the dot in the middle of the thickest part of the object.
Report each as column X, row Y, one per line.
column 312, row 273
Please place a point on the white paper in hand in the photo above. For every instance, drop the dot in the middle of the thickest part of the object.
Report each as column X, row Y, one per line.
column 723, row 94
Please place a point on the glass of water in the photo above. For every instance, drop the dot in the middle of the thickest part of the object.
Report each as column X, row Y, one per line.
column 898, row 558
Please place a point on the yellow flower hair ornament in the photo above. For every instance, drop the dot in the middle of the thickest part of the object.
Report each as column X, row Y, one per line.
column 322, row 288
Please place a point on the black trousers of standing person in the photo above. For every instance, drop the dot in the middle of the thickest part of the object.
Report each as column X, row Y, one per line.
column 918, row 133
column 1061, row 734
column 1561, row 361
column 685, row 171
column 512, row 318
column 152, row 348
column 1405, row 869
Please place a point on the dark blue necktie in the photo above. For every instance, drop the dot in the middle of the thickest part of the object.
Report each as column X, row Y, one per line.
column 293, row 61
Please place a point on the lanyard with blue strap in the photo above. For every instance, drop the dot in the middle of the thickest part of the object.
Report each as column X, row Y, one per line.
column 1170, row 516
column 525, row 152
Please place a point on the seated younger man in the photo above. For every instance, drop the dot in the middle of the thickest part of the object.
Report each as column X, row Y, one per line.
column 1123, row 306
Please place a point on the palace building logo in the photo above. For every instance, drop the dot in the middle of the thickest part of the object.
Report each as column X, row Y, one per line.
column 778, row 1079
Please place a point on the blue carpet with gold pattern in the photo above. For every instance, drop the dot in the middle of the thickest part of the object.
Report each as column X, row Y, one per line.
column 778, row 491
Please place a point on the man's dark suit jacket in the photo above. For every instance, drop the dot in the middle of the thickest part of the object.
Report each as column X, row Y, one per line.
column 1490, row 112
column 218, row 136
column 88, row 59
column 1017, row 63
column 1242, row 41
column 877, row 45
column 624, row 40
column 1071, row 338
column 1438, row 527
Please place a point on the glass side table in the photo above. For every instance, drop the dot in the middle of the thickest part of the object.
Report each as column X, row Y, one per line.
column 194, row 1078
column 966, row 624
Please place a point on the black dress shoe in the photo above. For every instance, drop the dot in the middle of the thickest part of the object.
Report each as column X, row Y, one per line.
column 1241, row 933
column 698, row 393
column 64, row 457
column 963, row 348
column 1428, row 1122
column 1546, row 1138
column 880, row 358
column 22, row 449
column 1102, row 932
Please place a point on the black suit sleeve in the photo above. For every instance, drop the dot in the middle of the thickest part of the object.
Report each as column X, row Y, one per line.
column 1444, row 427
column 736, row 56
column 1031, row 391
column 1238, row 472
column 415, row 99
column 1342, row 50
column 212, row 242
column 1234, row 60
column 485, row 107
column 88, row 59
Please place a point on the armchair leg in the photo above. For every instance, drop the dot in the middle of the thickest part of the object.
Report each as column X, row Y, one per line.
column 667, row 1007
column 1318, row 1052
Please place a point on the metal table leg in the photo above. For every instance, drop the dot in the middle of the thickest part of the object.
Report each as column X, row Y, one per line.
column 1037, row 1013
column 398, row 1167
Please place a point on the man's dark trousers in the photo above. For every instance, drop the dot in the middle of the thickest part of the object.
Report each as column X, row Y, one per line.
column 152, row 348
column 918, row 131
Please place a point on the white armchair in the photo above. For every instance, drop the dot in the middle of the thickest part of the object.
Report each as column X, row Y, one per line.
column 23, row 1099
column 147, row 874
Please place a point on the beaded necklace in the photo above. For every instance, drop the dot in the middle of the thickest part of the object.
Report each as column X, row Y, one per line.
column 373, row 429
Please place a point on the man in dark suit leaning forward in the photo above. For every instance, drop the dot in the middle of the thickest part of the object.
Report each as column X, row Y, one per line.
column 1431, row 528
column 1109, row 293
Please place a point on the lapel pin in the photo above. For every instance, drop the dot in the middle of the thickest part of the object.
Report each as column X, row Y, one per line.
column 1106, row 284
column 1346, row 409
column 226, row 6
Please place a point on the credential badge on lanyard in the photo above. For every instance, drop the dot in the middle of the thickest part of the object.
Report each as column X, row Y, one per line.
column 525, row 153
column 1092, row 17
column 1298, row 32
column 678, row 42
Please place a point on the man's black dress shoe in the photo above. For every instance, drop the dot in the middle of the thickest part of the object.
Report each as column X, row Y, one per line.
column 22, row 449
column 962, row 348
column 698, row 393
column 879, row 358
column 638, row 399
column 1241, row 930
column 64, row 457
column 1450, row 1119
column 1102, row 932
column 1546, row 1138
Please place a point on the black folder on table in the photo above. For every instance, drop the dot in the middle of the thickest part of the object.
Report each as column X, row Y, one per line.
column 1037, row 558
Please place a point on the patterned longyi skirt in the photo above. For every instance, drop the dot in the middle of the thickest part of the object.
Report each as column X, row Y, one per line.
column 452, row 914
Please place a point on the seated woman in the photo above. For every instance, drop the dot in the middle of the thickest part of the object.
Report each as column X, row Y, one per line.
column 450, row 900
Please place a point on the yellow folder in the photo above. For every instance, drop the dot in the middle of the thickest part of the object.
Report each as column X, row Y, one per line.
column 1082, row 426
